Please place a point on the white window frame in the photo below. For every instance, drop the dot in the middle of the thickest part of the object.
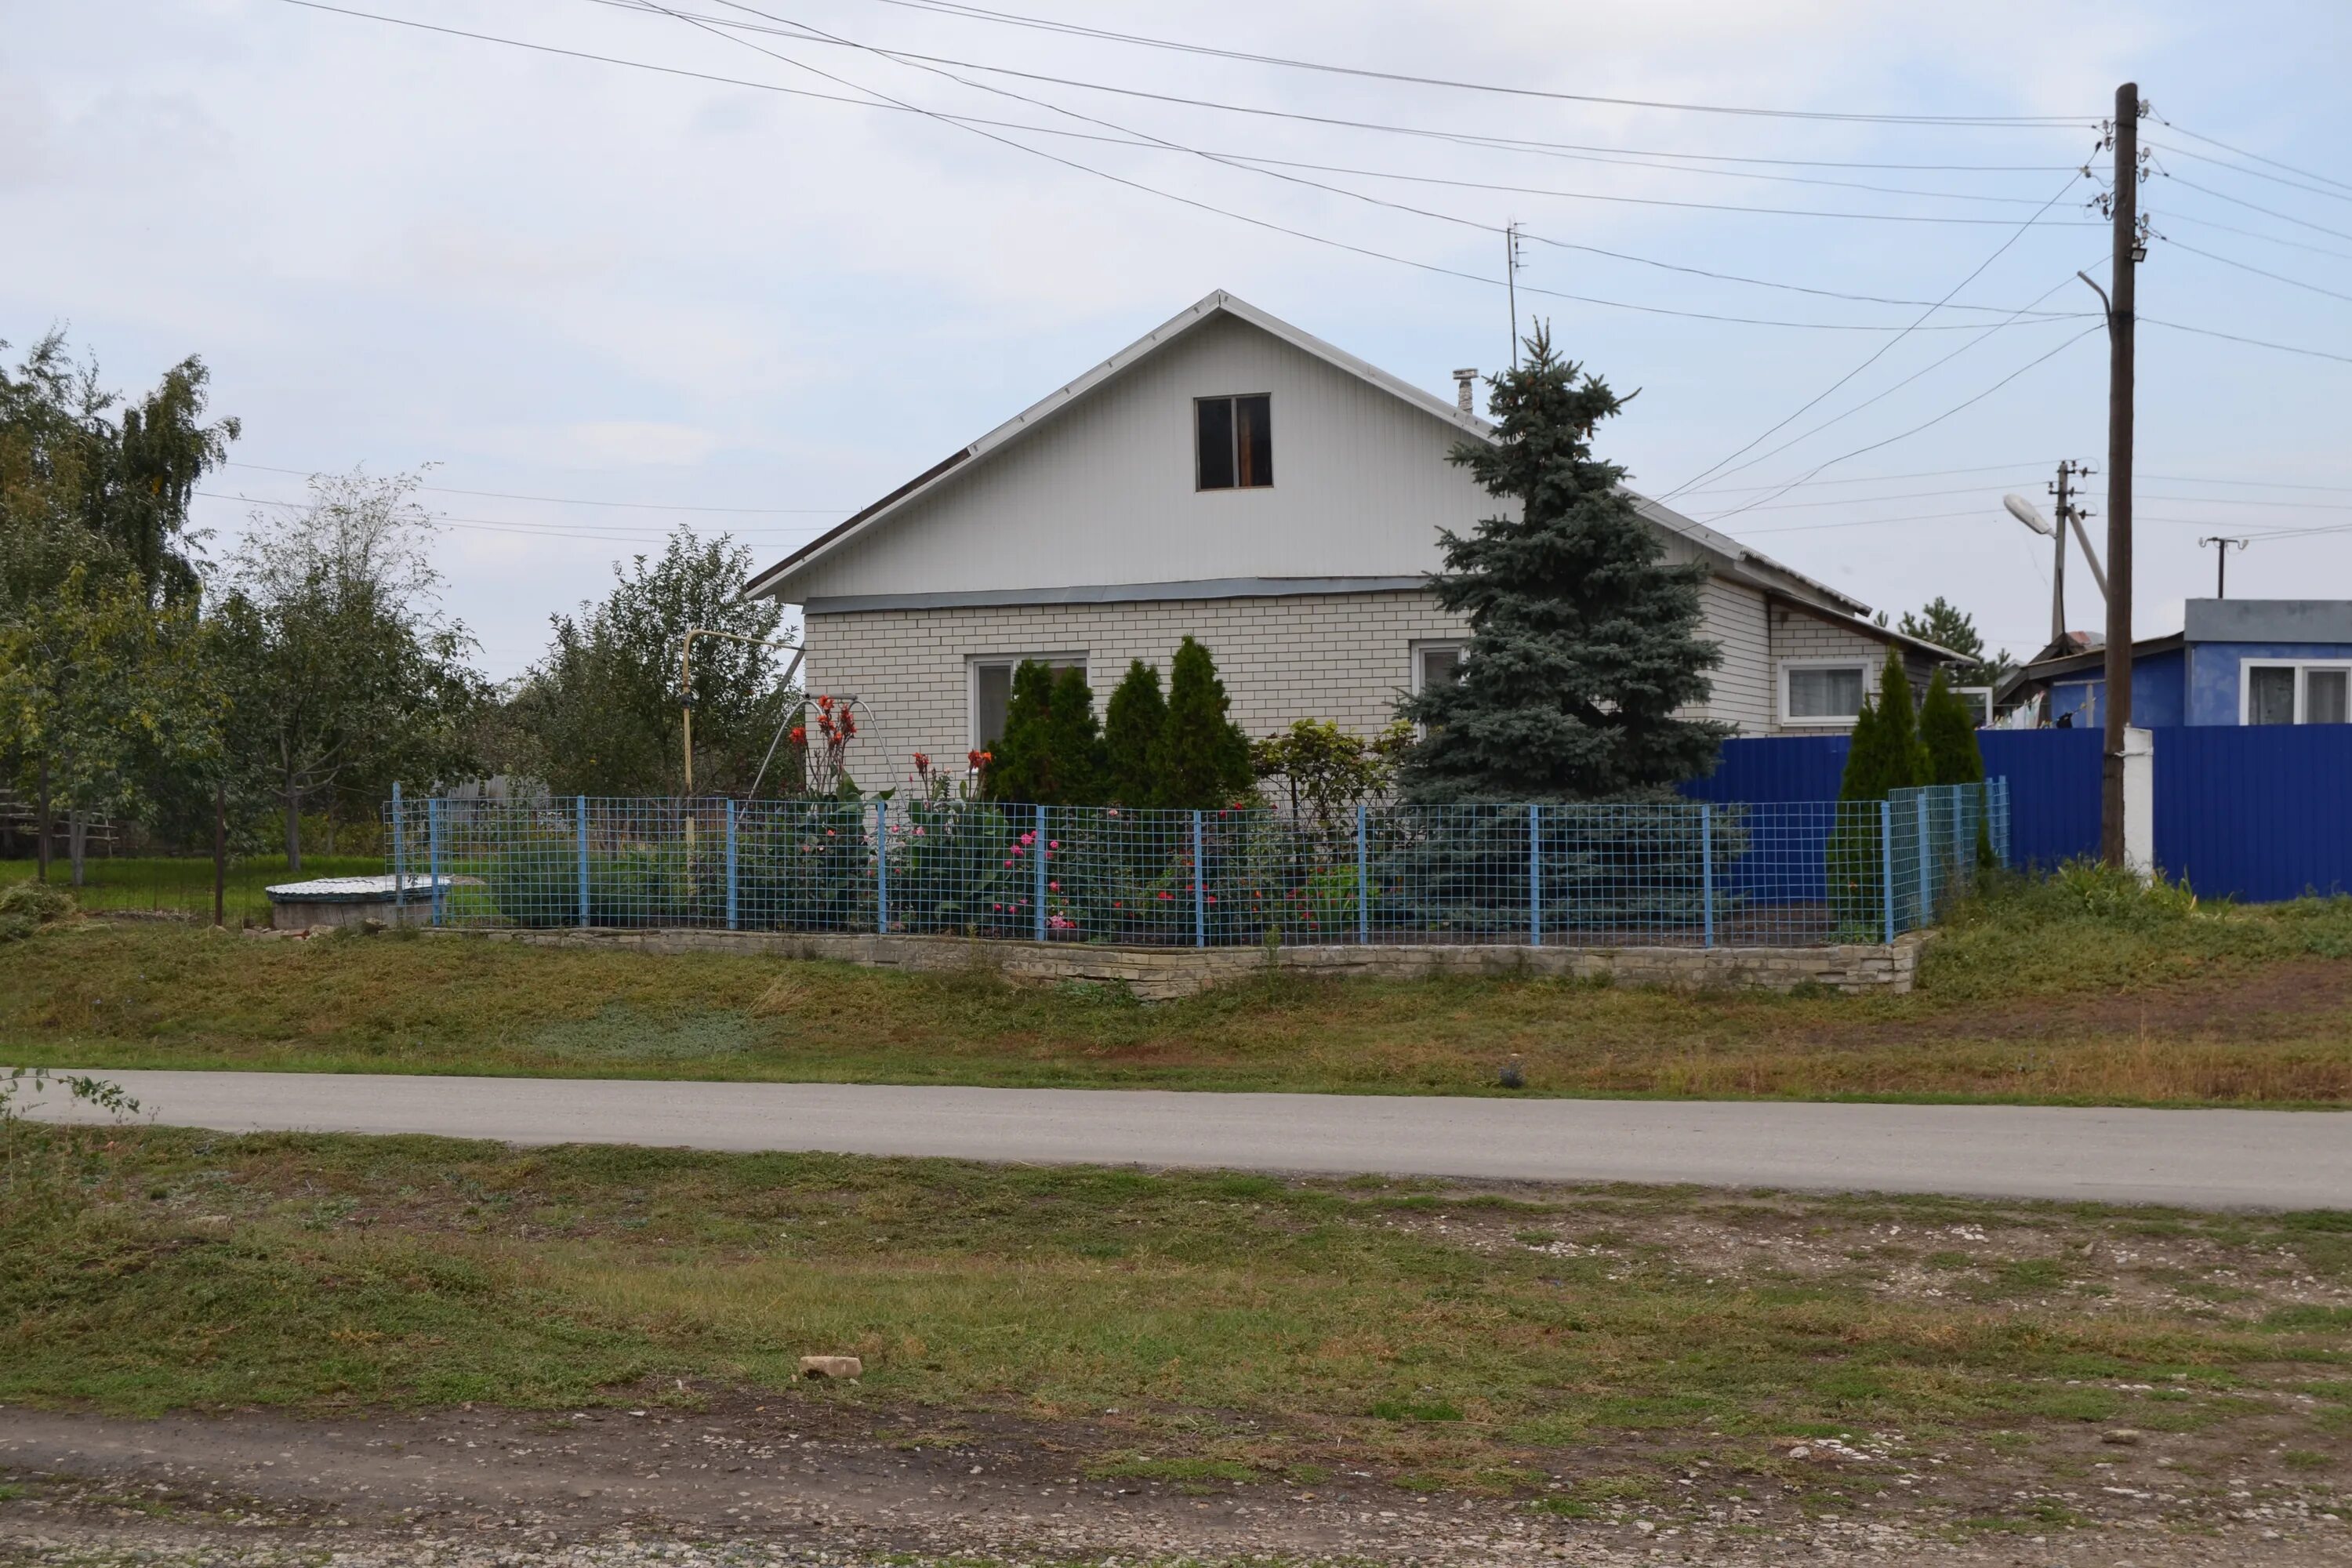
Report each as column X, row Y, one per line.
column 2302, row 667
column 1458, row 647
column 1825, row 721
column 1982, row 691
column 973, row 663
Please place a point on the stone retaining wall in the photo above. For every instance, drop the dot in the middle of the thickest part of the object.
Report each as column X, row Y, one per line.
column 1159, row 973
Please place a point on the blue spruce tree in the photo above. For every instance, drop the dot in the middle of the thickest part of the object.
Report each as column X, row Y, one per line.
column 1585, row 640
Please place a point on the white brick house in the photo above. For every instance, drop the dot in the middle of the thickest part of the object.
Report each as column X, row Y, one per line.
column 1231, row 478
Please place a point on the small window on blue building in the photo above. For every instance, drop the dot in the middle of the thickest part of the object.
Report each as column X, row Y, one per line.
column 2298, row 693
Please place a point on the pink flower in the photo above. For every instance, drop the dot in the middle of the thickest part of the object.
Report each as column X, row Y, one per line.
column 1053, row 887
column 1053, row 844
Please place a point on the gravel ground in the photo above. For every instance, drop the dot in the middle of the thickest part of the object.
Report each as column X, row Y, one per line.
column 480, row 1487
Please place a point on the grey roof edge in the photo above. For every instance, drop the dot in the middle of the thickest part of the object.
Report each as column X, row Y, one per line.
column 1111, row 593
column 2268, row 620
column 1218, row 302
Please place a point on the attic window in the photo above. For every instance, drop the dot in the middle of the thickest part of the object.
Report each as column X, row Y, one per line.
column 1234, row 440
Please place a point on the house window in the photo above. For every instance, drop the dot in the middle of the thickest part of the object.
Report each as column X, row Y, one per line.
column 1234, row 442
column 992, row 690
column 2296, row 694
column 1978, row 700
column 1822, row 691
column 1435, row 664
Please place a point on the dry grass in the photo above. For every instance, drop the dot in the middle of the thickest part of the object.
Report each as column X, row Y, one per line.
column 1418, row 1327
column 2065, row 991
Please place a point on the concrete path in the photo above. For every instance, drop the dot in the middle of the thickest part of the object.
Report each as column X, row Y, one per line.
column 2209, row 1159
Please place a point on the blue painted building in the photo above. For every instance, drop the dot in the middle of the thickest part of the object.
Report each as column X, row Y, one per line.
column 2234, row 661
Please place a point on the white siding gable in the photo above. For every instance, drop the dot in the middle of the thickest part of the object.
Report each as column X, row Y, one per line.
column 1102, row 493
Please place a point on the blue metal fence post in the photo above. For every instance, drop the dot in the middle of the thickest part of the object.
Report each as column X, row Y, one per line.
column 1926, row 867
column 580, row 842
column 1887, row 864
column 732, row 923
column 433, row 853
column 1038, row 848
column 881, row 865
column 1707, row 875
column 399, row 859
column 1535, row 876
column 1200, row 889
column 1363, row 880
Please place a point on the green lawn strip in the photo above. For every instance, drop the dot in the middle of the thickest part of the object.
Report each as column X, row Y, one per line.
column 183, row 884
column 2194, row 1028
column 322, row 1273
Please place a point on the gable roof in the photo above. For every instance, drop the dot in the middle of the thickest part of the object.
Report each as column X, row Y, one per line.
column 1748, row 565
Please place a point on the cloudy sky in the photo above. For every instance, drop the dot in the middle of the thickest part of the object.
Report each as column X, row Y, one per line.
column 713, row 293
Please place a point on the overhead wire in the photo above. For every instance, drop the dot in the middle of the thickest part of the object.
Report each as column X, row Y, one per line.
column 977, row 126
column 1928, row 423
column 2250, row 267
column 1255, row 59
column 2242, row 169
column 582, row 500
column 2236, row 338
column 2257, row 157
column 2019, row 233
column 613, row 532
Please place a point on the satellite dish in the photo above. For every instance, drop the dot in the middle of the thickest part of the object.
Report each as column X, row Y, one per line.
column 2022, row 510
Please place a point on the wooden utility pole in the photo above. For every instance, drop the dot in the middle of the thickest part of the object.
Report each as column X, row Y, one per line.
column 2063, row 491
column 2128, row 246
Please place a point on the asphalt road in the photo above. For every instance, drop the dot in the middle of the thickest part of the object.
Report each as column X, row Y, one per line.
column 2207, row 1159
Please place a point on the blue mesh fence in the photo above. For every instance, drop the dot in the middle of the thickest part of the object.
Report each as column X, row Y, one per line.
column 1674, row 874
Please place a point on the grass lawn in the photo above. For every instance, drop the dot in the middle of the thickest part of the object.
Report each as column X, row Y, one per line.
column 1179, row 1326
column 2074, row 989
column 184, row 884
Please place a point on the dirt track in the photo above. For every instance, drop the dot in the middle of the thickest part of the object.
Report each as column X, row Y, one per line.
column 742, row 1484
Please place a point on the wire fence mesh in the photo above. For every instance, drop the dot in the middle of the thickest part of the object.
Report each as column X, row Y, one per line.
column 1724, row 875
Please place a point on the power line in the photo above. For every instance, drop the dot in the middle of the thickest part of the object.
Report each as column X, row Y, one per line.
column 1878, row 478
column 2257, row 343
column 2254, row 207
column 937, row 63
column 2255, row 484
column 2258, row 233
column 1927, row 423
column 980, row 13
column 1953, row 292
column 616, row 532
column 581, row 500
column 2250, row 267
column 2249, row 174
column 1640, row 158
column 2257, row 157
column 974, row 125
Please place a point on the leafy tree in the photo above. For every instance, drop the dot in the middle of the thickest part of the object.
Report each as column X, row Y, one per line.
column 1947, row 626
column 1201, row 760
column 1131, row 726
column 105, row 692
column 1585, row 640
column 1948, row 731
column 601, row 710
column 1327, row 770
column 342, row 673
column 101, row 655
